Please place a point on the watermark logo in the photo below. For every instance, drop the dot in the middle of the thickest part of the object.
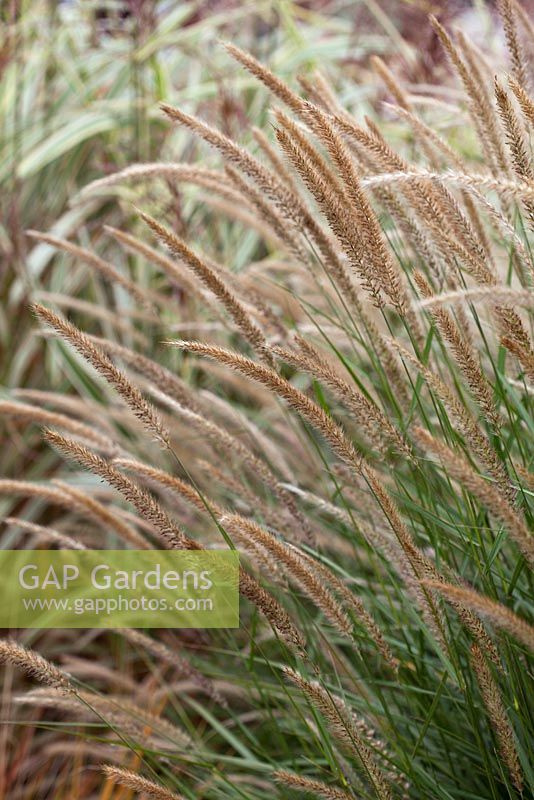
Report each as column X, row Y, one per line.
column 119, row 589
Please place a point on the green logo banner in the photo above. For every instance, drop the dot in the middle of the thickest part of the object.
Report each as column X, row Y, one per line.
column 119, row 589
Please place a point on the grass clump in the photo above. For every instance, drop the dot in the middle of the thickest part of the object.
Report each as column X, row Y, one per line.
column 357, row 422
